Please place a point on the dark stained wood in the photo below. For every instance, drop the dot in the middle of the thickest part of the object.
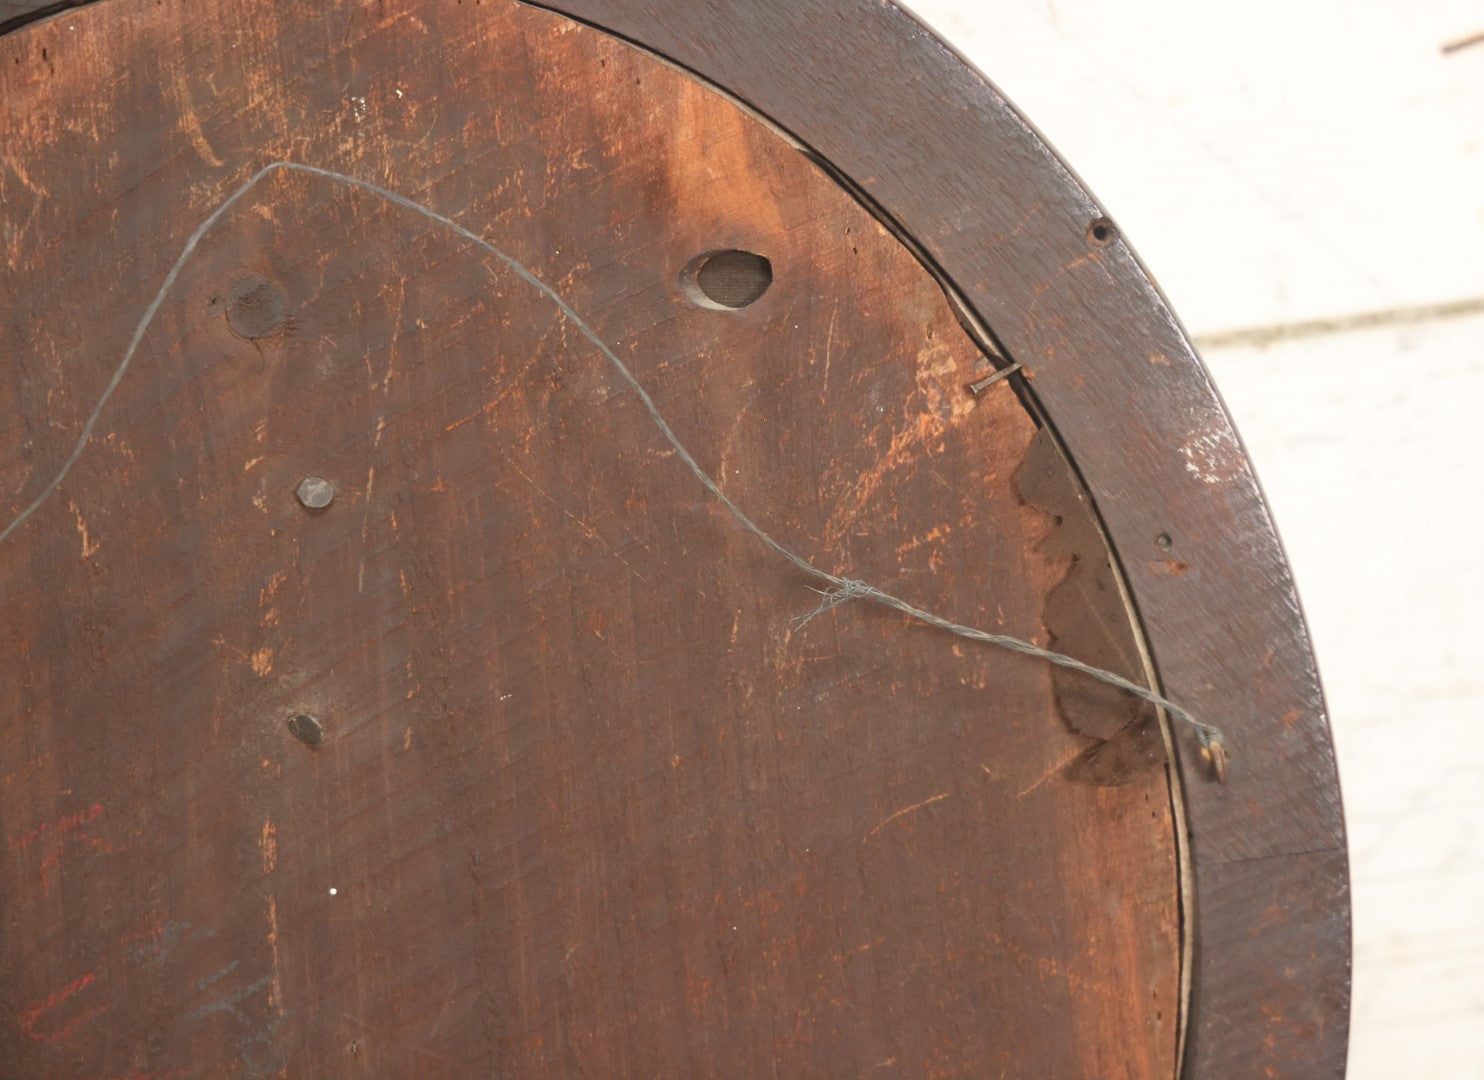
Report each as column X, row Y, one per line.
column 17, row 13
column 1293, row 912
column 939, row 151
column 577, row 797
column 1085, row 614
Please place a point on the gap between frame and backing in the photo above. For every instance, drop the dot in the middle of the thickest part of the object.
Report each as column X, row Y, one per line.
column 979, row 332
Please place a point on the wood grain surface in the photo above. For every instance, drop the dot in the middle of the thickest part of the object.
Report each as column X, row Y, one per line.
column 588, row 799
column 938, row 151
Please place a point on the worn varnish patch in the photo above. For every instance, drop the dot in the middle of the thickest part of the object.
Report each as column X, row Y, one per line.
column 590, row 802
column 1085, row 613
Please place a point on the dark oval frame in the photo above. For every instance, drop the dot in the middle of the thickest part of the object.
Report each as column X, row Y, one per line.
column 930, row 144
column 928, row 141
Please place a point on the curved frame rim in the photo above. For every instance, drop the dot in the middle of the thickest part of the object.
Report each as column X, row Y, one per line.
column 929, row 140
column 1271, row 976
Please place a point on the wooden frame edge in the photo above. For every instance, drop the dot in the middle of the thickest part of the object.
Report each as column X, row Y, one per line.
column 929, row 141
column 871, row 91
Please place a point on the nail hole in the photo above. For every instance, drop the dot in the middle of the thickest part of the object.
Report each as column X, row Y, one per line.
column 1164, row 541
column 727, row 280
column 308, row 731
column 1102, row 231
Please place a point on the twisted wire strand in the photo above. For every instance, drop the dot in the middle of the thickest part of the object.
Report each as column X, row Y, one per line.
column 841, row 590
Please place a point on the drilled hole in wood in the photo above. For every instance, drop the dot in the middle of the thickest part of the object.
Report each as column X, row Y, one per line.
column 308, row 731
column 727, row 280
column 1102, row 231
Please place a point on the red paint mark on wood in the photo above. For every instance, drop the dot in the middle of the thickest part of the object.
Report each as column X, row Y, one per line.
column 52, row 838
column 31, row 1016
column 154, row 925
column 61, row 826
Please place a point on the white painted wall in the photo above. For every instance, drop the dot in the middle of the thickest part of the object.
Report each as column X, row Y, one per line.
column 1280, row 163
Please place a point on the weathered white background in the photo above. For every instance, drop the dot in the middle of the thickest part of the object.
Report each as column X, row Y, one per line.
column 1278, row 165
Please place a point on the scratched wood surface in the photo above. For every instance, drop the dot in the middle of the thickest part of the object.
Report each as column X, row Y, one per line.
column 946, row 156
column 588, row 801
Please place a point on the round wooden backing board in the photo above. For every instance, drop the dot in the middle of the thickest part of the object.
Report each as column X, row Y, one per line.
column 588, row 799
